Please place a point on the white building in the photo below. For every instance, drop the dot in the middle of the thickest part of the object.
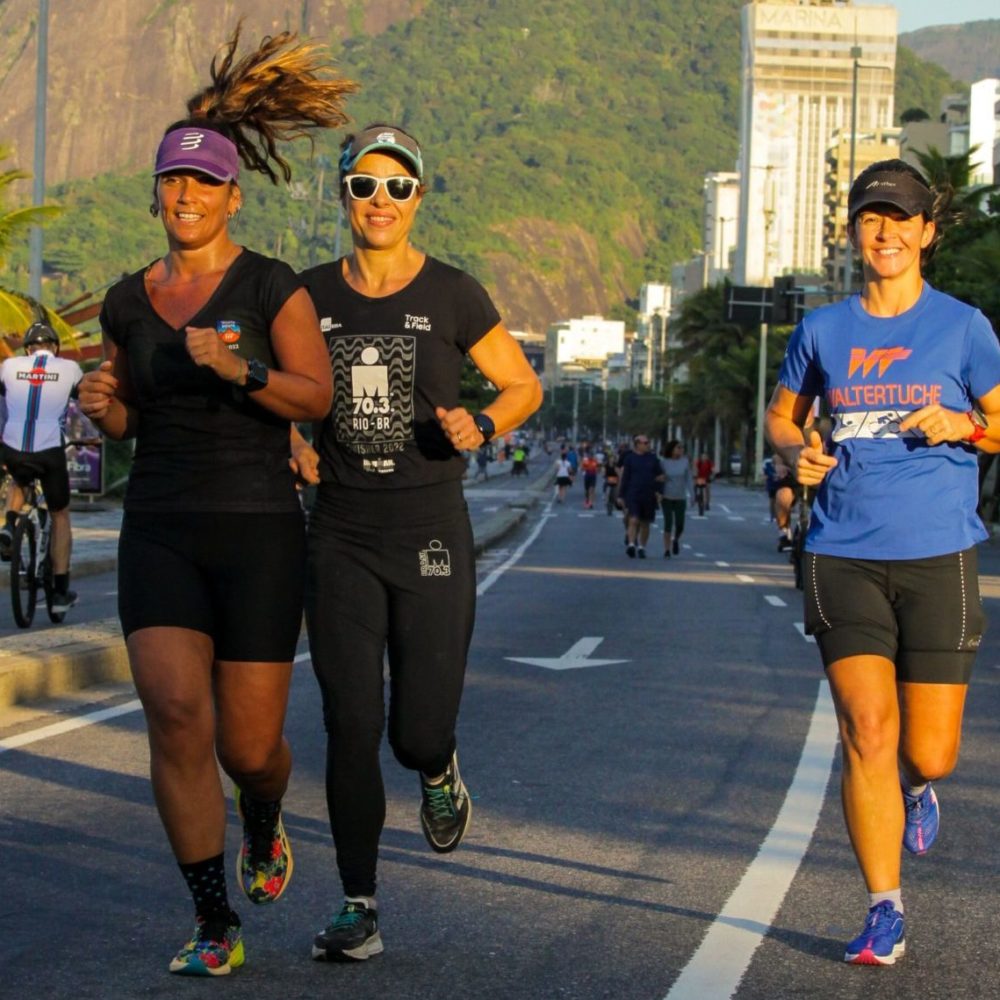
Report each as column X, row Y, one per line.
column 720, row 222
column 584, row 343
column 803, row 64
column 984, row 130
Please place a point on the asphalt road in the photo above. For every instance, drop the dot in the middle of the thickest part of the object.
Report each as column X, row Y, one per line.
column 655, row 813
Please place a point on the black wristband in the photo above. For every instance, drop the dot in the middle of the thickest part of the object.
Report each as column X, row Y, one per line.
column 485, row 426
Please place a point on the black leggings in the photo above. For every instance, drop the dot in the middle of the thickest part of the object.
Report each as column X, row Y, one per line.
column 390, row 572
column 673, row 516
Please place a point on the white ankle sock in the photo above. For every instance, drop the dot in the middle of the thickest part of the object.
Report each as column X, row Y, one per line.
column 895, row 896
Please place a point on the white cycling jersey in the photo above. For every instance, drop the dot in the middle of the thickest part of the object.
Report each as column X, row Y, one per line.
column 37, row 389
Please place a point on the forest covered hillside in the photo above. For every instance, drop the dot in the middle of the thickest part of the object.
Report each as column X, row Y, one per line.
column 566, row 148
column 968, row 51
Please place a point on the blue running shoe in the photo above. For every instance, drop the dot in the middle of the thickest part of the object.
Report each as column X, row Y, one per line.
column 883, row 939
column 923, row 816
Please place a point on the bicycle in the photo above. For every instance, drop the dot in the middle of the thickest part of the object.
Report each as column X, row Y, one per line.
column 30, row 561
column 699, row 497
column 796, row 554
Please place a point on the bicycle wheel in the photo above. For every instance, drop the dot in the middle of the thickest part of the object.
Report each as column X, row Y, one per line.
column 23, row 583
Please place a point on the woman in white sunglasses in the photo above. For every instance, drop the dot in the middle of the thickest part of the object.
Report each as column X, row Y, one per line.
column 391, row 562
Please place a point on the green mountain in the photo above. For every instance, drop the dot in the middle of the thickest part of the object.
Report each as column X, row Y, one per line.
column 969, row 51
column 566, row 143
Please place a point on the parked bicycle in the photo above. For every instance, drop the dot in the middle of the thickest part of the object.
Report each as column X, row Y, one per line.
column 30, row 562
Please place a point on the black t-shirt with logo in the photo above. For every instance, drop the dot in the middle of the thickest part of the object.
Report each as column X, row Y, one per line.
column 394, row 360
column 202, row 443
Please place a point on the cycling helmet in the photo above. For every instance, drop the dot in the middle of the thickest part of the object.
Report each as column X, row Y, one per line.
column 39, row 333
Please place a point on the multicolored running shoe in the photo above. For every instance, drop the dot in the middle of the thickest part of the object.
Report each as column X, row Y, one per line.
column 264, row 864
column 882, row 941
column 215, row 948
column 923, row 817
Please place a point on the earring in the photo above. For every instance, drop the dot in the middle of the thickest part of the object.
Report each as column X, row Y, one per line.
column 154, row 209
column 234, row 216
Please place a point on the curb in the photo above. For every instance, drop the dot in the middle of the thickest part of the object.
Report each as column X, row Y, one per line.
column 95, row 653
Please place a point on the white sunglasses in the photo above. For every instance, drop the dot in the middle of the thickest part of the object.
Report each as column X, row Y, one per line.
column 362, row 187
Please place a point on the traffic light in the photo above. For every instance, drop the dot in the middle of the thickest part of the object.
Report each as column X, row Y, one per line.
column 784, row 301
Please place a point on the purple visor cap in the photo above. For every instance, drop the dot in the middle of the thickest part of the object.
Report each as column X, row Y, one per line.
column 198, row 149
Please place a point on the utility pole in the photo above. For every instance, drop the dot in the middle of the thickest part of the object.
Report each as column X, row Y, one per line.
column 38, row 171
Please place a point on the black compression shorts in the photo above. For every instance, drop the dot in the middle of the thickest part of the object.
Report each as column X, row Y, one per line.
column 238, row 578
column 923, row 614
column 47, row 466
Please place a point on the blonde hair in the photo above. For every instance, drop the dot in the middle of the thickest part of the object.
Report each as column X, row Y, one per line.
column 281, row 91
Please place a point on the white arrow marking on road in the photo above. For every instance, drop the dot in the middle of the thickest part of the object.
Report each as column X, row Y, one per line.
column 575, row 656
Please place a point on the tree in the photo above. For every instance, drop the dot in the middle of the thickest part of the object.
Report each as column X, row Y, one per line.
column 17, row 310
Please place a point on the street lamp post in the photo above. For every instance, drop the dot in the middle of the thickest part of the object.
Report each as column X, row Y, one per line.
column 38, row 171
column 848, row 250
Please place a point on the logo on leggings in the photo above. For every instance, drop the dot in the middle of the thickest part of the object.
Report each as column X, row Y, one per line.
column 435, row 560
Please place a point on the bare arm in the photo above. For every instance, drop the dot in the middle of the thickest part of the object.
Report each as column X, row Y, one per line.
column 301, row 388
column 105, row 394
column 786, row 415
column 500, row 358
column 939, row 425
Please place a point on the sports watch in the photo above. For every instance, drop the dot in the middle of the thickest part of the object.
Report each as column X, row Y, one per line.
column 485, row 426
column 256, row 375
column 979, row 425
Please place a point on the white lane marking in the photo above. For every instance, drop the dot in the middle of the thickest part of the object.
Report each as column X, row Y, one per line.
column 90, row 719
column 68, row 725
column 802, row 631
column 725, row 508
column 716, row 968
column 775, row 601
column 490, row 510
column 699, row 555
column 518, row 552
column 735, row 517
column 721, row 564
column 743, row 578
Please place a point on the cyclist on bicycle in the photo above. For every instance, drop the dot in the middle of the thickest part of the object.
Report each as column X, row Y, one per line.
column 37, row 389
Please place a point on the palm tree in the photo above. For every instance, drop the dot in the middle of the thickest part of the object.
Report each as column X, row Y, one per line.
column 17, row 310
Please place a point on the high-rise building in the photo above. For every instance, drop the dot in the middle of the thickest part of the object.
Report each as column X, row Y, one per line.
column 806, row 66
column 720, row 224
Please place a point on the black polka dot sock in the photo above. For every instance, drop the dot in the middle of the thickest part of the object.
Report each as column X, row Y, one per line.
column 207, row 882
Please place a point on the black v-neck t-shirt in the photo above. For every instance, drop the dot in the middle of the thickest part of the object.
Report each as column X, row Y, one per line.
column 395, row 358
column 202, row 443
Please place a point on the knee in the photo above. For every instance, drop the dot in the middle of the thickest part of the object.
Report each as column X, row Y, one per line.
column 929, row 764
column 249, row 762
column 178, row 726
column 868, row 736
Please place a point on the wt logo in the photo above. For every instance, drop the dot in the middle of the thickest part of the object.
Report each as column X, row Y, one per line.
column 882, row 356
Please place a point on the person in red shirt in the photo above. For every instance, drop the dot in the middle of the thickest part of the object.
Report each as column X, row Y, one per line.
column 590, row 467
column 704, row 469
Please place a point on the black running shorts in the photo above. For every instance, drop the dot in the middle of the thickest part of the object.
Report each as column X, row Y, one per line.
column 923, row 614
column 238, row 578
column 47, row 466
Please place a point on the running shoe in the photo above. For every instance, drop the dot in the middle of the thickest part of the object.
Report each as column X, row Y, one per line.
column 445, row 809
column 630, row 551
column 6, row 543
column 215, row 948
column 351, row 936
column 264, row 865
column 62, row 601
column 923, row 816
column 883, row 939
column 640, row 552
column 676, row 547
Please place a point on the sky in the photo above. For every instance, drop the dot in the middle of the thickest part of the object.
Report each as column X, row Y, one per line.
column 915, row 14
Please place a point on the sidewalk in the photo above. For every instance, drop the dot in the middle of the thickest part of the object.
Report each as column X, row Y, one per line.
column 37, row 664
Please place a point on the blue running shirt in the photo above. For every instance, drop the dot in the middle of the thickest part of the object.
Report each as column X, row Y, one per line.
column 891, row 495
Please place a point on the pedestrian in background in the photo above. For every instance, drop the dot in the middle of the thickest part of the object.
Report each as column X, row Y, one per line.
column 891, row 585
column 703, row 474
column 391, row 561
column 673, row 492
column 590, row 467
column 212, row 351
column 641, row 476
